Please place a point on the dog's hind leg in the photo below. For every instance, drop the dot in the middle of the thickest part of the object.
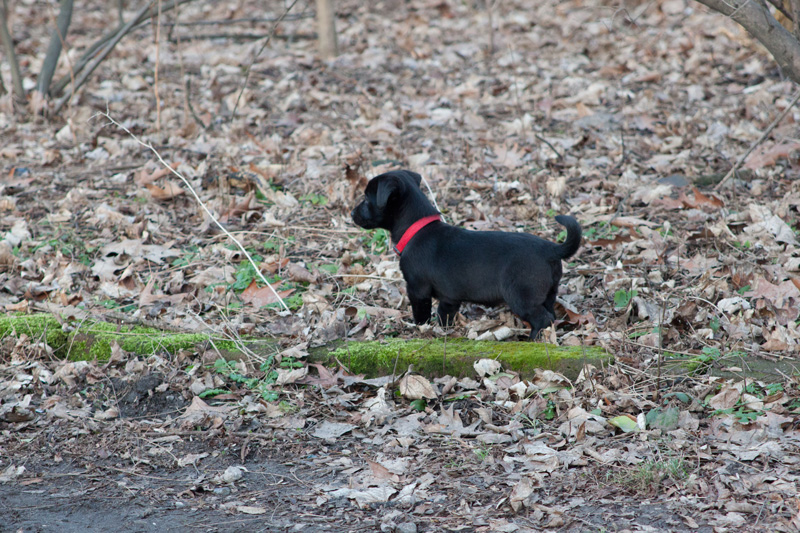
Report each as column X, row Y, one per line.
column 447, row 312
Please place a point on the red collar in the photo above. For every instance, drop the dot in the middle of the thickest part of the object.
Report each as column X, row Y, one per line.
column 415, row 227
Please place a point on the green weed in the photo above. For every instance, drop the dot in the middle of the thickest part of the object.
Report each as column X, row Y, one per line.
column 482, row 452
column 647, row 475
column 314, row 199
column 622, row 298
column 261, row 385
column 377, row 242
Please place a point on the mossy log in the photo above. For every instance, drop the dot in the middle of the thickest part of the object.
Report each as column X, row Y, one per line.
column 86, row 340
column 455, row 356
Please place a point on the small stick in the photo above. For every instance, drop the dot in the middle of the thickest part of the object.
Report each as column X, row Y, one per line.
column 433, row 198
column 553, row 148
column 490, row 12
column 227, row 22
column 155, row 81
column 199, row 201
column 758, row 142
column 586, row 367
column 660, row 350
column 444, row 355
column 263, row 46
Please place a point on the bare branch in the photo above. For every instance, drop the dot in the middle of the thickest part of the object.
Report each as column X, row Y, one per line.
column 101, row 45
column 99, row 59
column 260, row 50
column 759, row 141
column 778, row 4
column 759, row 22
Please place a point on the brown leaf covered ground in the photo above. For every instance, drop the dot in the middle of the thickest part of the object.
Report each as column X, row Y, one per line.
column 623, row 117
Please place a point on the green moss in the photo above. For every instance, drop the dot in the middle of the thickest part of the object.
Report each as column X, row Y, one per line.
column 90, row 340
column 37, row 327
column 455, row 357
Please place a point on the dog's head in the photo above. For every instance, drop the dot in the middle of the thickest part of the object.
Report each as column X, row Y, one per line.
column 384, row 195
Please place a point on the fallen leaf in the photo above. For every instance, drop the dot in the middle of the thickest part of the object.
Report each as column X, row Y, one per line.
column 724, row 399
column 332, row 430
column 416, row 387
column 170, row 190
column 11, row 473
column 767, row 154
column 300, row 274
column 487, row 367
column 261, row 296
column 286, row 376
column 626, row 423
column 247, row 509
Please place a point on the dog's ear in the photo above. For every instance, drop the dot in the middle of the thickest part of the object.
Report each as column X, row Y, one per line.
column 388, row 186
column 414, row 176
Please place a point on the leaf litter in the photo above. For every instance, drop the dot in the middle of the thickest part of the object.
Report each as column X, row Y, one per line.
column 622, row 123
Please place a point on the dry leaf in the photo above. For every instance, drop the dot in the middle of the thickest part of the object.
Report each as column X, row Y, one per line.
column 416, row 387
column 261, row 296
column 170, row 190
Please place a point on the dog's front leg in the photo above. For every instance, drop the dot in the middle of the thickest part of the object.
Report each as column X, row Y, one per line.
column 421, row 309
column 540, row 319
column 447, row 312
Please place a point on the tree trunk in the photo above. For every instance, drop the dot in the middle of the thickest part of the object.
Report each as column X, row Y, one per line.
column 326, row 29
column 755, row 17
column 8, row 44
column 54, row 49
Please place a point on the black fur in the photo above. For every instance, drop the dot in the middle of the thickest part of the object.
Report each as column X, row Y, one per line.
column 455, row 265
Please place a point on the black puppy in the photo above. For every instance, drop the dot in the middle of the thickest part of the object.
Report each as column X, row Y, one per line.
column 455, row 265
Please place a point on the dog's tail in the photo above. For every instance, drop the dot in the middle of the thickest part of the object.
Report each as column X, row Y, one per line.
column 573, row 241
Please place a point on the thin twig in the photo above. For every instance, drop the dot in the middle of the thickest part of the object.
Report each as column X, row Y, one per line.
column 183, row 75
column 188, row 102
column 227, row 22
column 432, row 197
column 255, row 57
column 444, row 355
column 490, row 13
column 553, row 148
column 101, row 44
column 155, row 80
column 199, row 201
column 758, row 142
column 247, row 37
column 99, row 59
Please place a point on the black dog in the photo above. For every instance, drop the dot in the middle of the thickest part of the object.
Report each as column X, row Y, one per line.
column 455, row 265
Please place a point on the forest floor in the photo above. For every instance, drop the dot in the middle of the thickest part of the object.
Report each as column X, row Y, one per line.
column 626, row 119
